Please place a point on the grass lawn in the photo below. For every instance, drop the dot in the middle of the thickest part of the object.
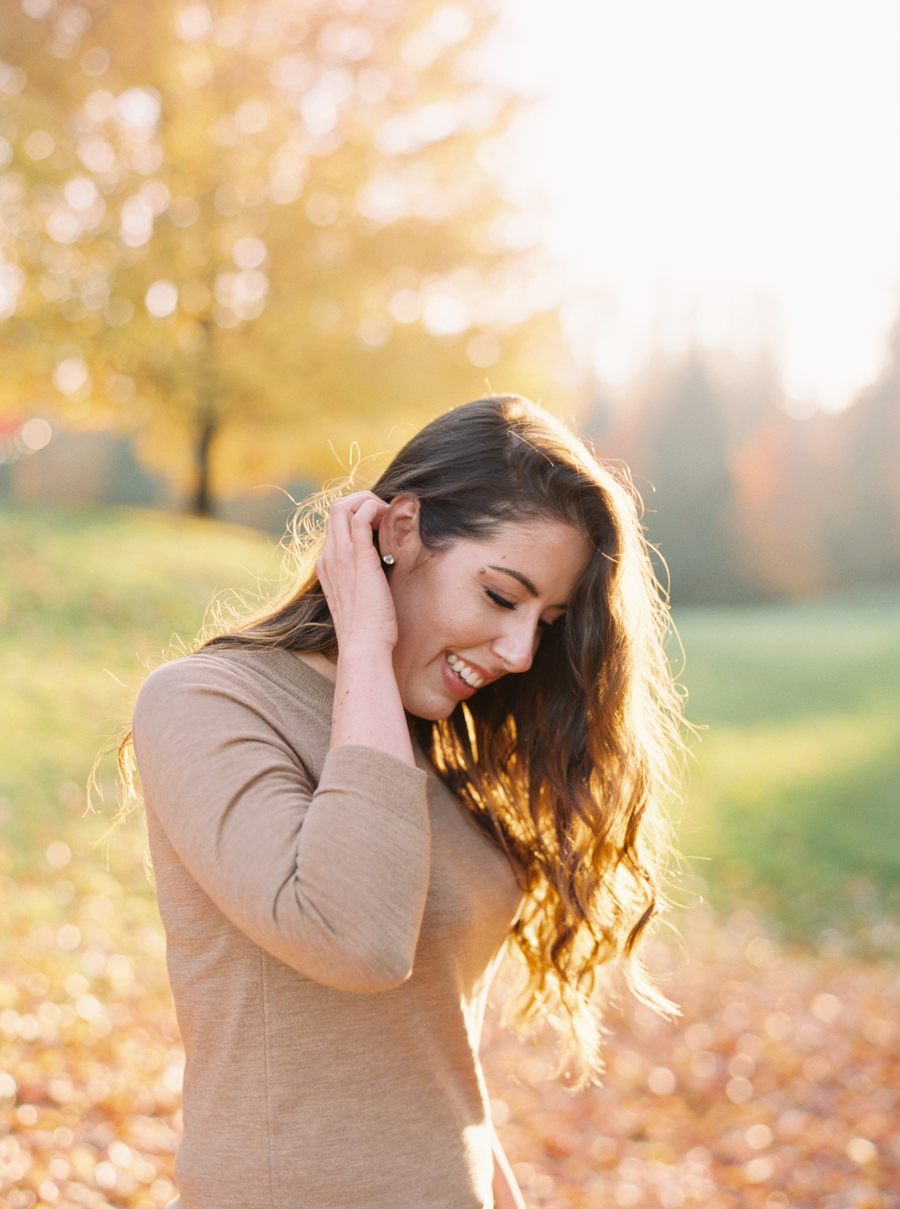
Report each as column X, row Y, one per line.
column 794, row 785
column 89, row 603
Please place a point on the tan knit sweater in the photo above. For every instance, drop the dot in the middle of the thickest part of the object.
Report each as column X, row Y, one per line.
column 333, row 920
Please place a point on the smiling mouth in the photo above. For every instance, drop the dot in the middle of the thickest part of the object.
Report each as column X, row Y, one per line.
column 465, row 673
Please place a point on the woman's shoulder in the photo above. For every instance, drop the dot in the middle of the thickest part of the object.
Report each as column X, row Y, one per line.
column 242, row 673
column 204, row 667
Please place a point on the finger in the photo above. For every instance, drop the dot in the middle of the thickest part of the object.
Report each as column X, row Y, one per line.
column 359, row 496
column 322, row 575
column 338, row 525
column 365, row 516
column 354, row 501
column 363, row 522
column 368, row 513
column 344, row 511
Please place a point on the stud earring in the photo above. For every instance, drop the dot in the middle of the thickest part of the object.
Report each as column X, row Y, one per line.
column 387, row 559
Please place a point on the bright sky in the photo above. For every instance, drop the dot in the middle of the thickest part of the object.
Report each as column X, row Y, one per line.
column 726, row 171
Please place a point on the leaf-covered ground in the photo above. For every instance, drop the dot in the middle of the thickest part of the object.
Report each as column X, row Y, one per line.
column 779, row 1086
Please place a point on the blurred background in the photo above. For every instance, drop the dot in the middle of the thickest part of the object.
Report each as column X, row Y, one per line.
column 248, row 247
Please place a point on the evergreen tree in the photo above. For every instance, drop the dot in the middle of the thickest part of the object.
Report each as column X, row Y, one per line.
column 863, row 522
column 682, row 460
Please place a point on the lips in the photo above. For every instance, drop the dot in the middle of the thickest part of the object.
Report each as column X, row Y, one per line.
column 465, row 671
column 459, row 687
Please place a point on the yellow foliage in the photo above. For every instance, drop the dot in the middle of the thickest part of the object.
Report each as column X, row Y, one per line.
column 252, row 234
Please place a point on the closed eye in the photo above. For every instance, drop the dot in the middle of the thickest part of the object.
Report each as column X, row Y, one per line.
column 504, row 603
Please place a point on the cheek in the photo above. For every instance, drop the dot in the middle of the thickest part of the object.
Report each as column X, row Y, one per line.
column 419, row 622
column 435, row 612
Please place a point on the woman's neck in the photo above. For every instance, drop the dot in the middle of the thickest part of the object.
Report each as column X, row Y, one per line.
column 319, row 663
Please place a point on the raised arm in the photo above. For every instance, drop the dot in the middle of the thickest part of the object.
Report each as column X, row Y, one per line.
column 330, row 878
column 367, row 706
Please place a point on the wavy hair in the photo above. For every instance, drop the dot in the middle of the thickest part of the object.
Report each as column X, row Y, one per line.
column 567, row 765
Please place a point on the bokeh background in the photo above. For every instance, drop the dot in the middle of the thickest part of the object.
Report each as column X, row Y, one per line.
column 246, row 249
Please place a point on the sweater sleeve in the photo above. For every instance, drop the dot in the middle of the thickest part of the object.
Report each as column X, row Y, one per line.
column 330, row 879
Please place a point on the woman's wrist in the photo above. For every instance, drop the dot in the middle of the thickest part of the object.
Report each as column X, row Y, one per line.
column 365, row 650
column 368, row 710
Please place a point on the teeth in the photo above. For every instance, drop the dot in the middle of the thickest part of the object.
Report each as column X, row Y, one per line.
column 465, row 672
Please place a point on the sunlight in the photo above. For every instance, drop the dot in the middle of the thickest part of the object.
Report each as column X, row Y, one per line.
column 719, row 173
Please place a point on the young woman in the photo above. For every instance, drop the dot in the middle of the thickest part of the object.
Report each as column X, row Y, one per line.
column 449, row 739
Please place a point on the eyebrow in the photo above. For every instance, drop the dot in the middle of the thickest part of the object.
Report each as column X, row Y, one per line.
column 524, row 581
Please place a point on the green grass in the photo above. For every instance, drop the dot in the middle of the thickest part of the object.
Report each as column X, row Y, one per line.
column 89, row 602
column 794, row 787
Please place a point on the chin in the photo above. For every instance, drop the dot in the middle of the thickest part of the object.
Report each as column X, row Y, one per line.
column 431, row 708
column 433, row 713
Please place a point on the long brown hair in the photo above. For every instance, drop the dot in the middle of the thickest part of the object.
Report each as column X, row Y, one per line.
column 567, row 765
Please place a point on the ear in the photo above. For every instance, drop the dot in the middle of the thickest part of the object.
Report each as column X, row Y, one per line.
column 398, row 533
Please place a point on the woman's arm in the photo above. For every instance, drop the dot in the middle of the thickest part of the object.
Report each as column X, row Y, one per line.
column 505, row 1189
column 368, row 711
column 329, row 875
column 330, row 878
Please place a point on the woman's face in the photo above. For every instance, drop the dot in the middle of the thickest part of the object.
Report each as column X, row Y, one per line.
column 475, row 611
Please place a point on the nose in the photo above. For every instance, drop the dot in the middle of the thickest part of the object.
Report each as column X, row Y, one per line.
column 516, row 646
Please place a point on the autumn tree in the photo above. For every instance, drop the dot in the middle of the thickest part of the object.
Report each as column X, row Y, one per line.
column 257, row 231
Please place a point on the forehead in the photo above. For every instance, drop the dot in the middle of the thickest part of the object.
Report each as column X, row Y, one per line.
column 550, row 553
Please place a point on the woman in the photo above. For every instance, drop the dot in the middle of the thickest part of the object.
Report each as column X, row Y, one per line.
column 451, row 737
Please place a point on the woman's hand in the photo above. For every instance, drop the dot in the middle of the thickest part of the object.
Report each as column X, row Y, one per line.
column 368, row 711
column 351, row 575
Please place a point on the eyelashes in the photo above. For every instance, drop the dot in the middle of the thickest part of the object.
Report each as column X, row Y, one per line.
column 503, row 603
column 499, row 600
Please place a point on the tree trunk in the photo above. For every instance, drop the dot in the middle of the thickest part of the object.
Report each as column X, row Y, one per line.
column 203, row 501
